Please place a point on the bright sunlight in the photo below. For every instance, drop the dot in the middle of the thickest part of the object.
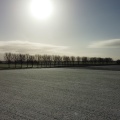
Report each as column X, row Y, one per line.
column 41, row 9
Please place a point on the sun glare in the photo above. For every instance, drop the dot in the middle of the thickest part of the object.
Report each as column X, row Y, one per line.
column 41, row 9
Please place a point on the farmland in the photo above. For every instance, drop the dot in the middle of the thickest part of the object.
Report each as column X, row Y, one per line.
column 59, row 94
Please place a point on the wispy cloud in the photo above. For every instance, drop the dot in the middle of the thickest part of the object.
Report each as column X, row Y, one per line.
column 113, row 43
column 30, row 47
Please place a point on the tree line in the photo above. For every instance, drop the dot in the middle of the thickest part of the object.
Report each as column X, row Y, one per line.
column 52, row 60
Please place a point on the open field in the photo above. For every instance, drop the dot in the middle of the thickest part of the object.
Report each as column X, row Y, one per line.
column 107, row 67
column 113, row 66
column 59, row 94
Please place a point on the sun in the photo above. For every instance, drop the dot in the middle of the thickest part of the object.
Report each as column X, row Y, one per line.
column 41, row 9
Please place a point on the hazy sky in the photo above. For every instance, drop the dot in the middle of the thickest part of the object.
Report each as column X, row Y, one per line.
column 76, row 27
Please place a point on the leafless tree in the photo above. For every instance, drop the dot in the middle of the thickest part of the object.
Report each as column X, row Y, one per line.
column 31, row 59
column 66, row 60
column 84, row 60
column 93, row 60
column 78, row 60
column 44, row 57
column 72, row 59
column 49, row 60
column 27, row 59
column 21, row 58
column 15, row 58
column 118, row 62
column 59, row 60
column 37, row 61
column 108, row 60
column 8, row 58
column 40, row 59
column 99, row 60
column 54, row 59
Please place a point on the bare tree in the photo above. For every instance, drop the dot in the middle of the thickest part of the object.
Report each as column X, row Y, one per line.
column 40, row 59
column 54, row 59
column 44, row 57
column 78, row 60
column 99, row 60
column 72, row 59
column 27, row 59
column 49, row 60
column 21, row 58
column 15, row 58
column 31, row 59
column 108, row 60
column 66, row 60
column 37, row 60
column 59, row 60
column 84, row 60
column 8, row 58
column 93, row 60
column 118, row 62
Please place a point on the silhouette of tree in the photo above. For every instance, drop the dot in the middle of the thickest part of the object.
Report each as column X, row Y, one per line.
column 44, row 57
column 84, row 60
column 72, row 59
column 21, row 58
column 37, row 60
column 95, row 60
column 15, row 58
column 78, row 60
column 118, row 62
column 40, row 59
column 59, row 60
column 49, row 60
column 99, row 60
column 108, row 60
column 66, row 60
column 31, row 59
column 27, row 59
column 91, row 60
column 8, row 58
column 52, row 60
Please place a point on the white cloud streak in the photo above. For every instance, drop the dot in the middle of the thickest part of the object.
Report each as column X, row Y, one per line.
column 113, row 43
column 30, row 47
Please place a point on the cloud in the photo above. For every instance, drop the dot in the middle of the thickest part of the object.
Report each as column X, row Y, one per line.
column 30, row 47
column 113, row 43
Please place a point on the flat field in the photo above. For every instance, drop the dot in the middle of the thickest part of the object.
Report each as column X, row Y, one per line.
column 59, row 94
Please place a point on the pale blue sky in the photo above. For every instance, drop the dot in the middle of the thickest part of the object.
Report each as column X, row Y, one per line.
column 76, row 27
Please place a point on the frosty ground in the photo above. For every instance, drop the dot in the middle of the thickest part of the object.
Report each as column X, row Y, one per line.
column 59, row 94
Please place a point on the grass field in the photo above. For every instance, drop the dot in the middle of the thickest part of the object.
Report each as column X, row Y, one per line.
column 43, row 65
column 59, row 94
column 12, row 66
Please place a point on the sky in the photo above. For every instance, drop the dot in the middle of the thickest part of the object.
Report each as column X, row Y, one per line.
column 76, row 27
